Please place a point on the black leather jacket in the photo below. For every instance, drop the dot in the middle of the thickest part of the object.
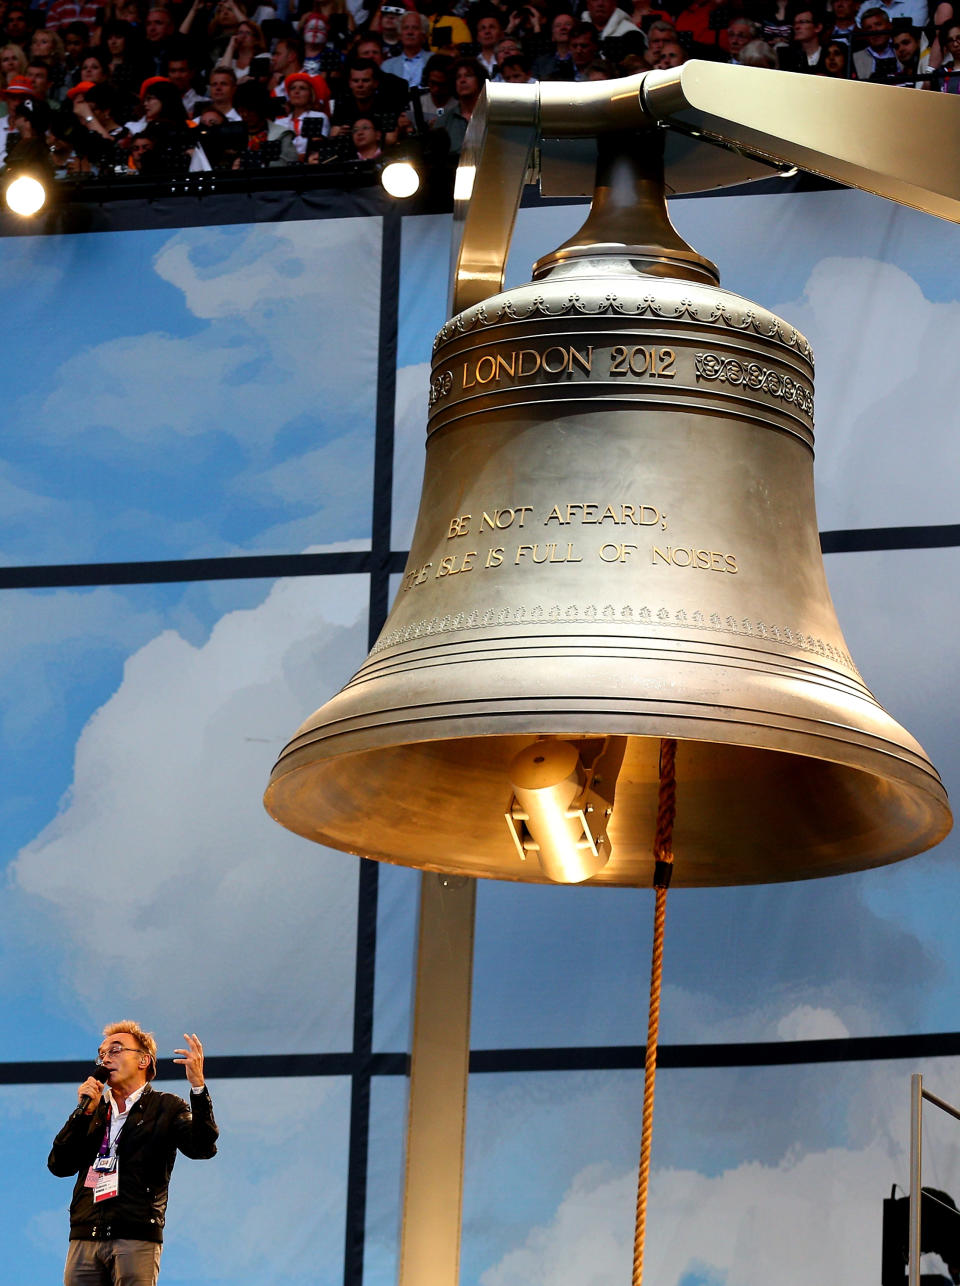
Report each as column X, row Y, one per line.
column 157, row 1126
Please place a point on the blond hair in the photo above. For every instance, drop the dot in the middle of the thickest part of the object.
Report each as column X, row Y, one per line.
column 145, row 1039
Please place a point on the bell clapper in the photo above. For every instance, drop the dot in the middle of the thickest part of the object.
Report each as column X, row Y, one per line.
column 663, row 870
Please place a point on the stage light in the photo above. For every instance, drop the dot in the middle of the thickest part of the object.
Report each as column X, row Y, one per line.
column 25, row 195
column 557, row 814
column 400, row 178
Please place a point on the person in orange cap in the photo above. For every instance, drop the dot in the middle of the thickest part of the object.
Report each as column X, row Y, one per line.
column 302, row 102
column 79, row 92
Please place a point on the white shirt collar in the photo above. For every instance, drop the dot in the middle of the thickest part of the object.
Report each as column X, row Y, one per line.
column 108, row 1095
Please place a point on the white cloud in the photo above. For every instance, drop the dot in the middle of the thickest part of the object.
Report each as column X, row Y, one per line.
column 231, row 271
column 807, row 1022
column 809, row 1219
column 171, row 889
column 806, row 1214
column 728, row 1014
column 280, row 299
column 47, row 641
column 886, row 451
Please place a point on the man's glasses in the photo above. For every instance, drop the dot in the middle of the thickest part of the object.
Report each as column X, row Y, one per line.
column 112, row 1051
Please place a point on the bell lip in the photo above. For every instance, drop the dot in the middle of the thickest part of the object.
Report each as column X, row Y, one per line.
column 918, row 778
column 319, row 739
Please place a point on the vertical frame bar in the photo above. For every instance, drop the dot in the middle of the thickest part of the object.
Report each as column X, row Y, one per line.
column 368, row 871
column 439, row 1069
column 916, row 1149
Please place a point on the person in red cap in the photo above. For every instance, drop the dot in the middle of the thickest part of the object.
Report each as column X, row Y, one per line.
column 303, row 106
column 17, row 89
column 165, row 121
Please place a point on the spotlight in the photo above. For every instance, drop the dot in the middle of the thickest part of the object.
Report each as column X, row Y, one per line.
column 400, row 178
column 559, row 811
column 25, row 195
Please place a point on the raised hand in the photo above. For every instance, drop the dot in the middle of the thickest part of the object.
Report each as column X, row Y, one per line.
column 192, row 1059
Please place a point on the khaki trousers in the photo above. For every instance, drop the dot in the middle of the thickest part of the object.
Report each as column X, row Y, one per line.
column 118, row 1261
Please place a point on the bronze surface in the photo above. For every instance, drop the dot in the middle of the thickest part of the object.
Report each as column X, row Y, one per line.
column 635, row 554
column 617, row 538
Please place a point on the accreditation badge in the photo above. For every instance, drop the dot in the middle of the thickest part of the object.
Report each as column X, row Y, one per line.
column 107, row 1185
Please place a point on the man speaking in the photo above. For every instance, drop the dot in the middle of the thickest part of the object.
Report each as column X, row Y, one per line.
column 121, row 1142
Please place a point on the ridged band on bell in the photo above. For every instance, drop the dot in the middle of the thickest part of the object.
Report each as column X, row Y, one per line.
column 617, row 543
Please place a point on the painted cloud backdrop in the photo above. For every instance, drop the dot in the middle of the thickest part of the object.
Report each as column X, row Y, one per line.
column 191, row 416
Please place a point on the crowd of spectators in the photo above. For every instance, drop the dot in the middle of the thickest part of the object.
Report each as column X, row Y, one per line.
column 139, row 87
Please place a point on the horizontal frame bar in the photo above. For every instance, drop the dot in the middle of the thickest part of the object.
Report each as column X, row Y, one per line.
column 273, row 566
column 575, row 1058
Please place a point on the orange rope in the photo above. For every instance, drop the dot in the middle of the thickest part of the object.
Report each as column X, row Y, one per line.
column 663, row 856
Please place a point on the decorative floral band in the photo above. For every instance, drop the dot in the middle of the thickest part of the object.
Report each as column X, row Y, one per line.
column 710, row 311
column 731, row 370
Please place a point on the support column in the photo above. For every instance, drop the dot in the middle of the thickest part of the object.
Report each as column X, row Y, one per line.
column 436, row 1116
column 916, row 1179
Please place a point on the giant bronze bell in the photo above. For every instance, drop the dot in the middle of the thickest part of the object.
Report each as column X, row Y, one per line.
column 617, row 543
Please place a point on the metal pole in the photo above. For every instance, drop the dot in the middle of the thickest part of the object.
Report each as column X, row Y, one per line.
column 916, row 1145
column 439, row 1067
column 942, row 1104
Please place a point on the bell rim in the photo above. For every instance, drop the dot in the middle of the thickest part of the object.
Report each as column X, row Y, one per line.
column 916, row 782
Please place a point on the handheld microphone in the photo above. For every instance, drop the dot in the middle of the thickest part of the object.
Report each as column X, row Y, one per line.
column 101, row 1074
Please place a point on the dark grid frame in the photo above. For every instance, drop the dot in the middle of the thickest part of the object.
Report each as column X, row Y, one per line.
column 361, row 1063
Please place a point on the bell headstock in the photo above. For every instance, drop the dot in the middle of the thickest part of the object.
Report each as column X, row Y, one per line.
column 724, row 125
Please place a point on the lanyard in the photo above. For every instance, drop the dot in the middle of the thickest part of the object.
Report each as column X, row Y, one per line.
column 105, row 1148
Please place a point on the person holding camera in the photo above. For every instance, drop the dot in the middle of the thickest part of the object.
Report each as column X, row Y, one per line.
column 527, row 23
column 386, row 21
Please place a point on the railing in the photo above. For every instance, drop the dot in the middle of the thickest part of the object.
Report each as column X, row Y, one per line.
column 917, row 1096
